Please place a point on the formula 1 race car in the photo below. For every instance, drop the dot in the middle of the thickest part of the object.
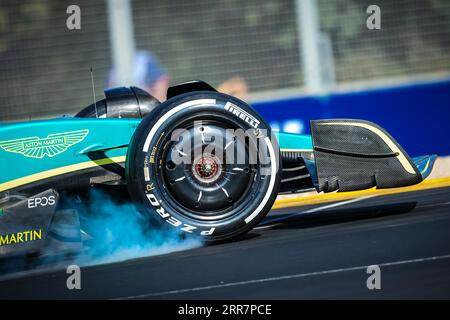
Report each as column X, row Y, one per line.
column 202, row 162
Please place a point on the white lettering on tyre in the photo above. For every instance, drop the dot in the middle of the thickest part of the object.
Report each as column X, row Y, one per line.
column 241, row 114
column 208, row 232
column 172, row 220
column 249, row 119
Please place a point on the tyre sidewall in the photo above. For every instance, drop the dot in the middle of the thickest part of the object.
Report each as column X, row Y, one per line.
column 150, row 196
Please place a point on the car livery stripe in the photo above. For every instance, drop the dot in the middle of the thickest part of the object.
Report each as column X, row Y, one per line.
column 58, row 171
column 300, row 201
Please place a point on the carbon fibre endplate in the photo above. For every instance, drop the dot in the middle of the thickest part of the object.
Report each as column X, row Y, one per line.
column 356, row 154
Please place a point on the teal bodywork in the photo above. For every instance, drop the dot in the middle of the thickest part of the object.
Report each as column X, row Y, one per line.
column 294, row 142
column 17, row 140
column 35, row 150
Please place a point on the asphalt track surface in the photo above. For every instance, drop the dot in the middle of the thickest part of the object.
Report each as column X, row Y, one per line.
column 316, row 251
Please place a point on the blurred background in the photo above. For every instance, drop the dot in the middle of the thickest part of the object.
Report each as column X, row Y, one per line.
column 294, row 60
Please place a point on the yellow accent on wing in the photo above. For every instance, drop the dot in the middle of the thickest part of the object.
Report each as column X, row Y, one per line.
column 58, row 171
column 401, row 157
column 341, row 196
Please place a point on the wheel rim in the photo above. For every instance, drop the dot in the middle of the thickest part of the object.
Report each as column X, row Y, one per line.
column 207, row 188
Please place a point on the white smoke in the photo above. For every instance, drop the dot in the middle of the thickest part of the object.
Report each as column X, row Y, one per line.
column 120, row 232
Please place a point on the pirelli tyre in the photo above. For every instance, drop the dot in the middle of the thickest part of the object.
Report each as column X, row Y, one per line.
column 204, row 163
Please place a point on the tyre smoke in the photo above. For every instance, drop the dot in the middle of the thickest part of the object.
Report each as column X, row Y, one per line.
column 112, row 231
column 118, row 232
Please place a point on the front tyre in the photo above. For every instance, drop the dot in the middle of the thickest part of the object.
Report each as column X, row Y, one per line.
column 204, row 163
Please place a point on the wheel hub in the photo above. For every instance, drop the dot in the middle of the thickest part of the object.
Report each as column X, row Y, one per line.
column 207, row 168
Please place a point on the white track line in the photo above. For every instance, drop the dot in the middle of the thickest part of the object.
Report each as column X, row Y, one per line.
column 294, row 276
column 267, row 226
column 338, row 204
column 329, row 206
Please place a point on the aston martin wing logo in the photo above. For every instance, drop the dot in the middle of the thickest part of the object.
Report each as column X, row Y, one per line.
column 52, row 145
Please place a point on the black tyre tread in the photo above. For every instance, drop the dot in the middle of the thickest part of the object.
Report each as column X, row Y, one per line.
column 135, row 158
